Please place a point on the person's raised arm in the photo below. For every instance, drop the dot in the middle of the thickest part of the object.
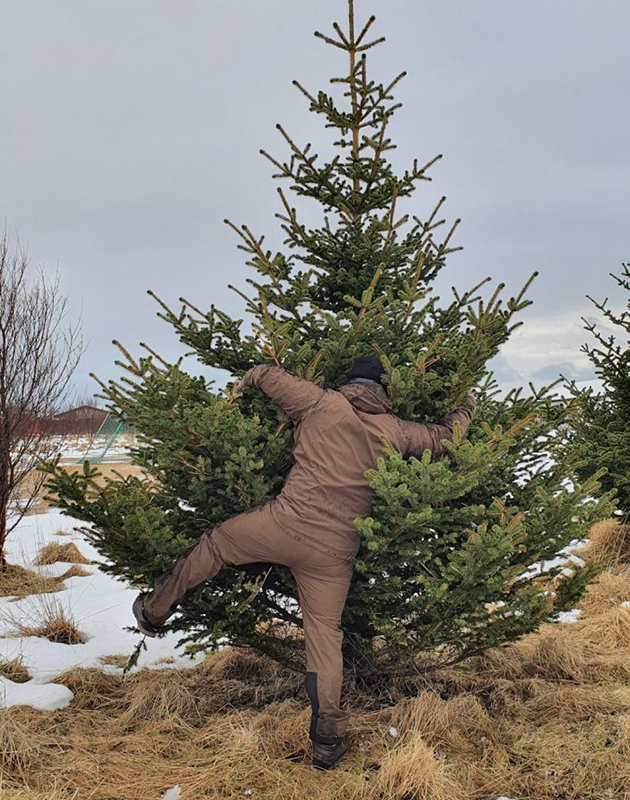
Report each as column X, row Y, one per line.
column 294, row 395
column 421, row 436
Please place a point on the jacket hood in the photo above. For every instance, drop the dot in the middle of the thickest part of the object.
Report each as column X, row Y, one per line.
column 371, row 398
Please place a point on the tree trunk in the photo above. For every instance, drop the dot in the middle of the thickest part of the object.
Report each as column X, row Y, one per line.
column 3, row 535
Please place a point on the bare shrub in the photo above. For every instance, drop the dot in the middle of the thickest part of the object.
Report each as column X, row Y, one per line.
column 38, row 355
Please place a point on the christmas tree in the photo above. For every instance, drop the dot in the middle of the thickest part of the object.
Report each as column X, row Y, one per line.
column 601, row 432
column 461, row 553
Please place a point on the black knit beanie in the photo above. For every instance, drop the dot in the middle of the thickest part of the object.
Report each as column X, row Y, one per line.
column 367, row 367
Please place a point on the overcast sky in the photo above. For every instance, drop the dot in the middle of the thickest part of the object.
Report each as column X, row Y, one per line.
column 131, row 128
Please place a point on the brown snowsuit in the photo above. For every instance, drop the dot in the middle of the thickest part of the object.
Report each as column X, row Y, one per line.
column 309, row 526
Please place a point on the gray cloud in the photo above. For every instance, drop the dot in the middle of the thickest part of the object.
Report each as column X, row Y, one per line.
column 565, row 369
column 131, row 129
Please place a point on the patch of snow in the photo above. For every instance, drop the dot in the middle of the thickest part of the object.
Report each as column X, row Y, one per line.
column 44, row 696
column 393, row 732
column 569, row 616
column 625, row 604
column 172, row 794
column 99, row 604
column 565, row 556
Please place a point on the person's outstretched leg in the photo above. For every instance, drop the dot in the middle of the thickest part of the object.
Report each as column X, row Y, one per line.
column 242, row 539
column 323, row 588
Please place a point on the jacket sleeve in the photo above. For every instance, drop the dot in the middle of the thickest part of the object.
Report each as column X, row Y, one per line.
column 422, row 436
column 294, row 395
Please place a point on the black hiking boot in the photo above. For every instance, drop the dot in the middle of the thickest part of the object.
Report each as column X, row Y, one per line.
column 327, row 750
column 144, row 626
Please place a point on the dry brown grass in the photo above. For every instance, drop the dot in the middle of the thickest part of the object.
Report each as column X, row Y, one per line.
column 75, row 571
column 16, row 581
column 48, row 619
column 54, row 551
column 609, row 542
column 14, row 670
column 545, row 719
column 115, row 659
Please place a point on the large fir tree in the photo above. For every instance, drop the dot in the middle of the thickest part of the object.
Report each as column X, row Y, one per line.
column 601, row 424
column 460, row 553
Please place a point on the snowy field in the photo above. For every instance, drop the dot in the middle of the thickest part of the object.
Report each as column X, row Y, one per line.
column 74, row 448
column 100, row 606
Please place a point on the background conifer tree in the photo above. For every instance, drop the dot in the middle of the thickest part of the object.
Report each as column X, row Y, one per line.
column 602, row 423
column 460, row 553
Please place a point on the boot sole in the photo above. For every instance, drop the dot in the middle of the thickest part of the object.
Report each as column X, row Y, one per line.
column 143, row 630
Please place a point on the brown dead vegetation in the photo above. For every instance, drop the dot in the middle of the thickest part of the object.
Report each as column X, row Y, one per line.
column 546, row 718
column 54, row 551
column 75, row 571
column 609, row 543
column 50, row 621
column 14, row 670
column 19, row 582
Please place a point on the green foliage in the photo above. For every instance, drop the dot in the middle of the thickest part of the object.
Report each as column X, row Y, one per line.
column 460, row 553
column 602, row 421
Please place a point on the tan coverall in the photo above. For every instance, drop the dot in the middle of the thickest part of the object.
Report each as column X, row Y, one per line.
column 309, row 526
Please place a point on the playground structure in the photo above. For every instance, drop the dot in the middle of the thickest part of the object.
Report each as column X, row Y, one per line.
column 100, row 449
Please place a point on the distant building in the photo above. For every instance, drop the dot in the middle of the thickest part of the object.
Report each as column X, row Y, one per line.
column 82, row 419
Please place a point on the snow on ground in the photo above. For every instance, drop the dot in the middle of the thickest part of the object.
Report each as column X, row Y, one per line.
column 100, row 606
column 74, row 448
column 569, row 616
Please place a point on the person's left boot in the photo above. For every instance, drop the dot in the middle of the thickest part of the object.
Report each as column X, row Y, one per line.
column 144, row 626
column 327, row 750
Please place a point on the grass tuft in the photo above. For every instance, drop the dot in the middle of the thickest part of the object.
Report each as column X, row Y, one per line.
column 608, row 542
column 16, row 581
column 49, row 620
column 54, row 551
column 14, row 670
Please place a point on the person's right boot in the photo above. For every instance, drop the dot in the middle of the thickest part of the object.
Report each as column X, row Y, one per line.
column 327, row 750
column 143, row 624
